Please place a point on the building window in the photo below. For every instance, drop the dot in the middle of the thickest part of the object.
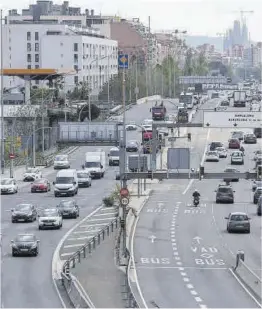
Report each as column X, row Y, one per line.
column 37, row 66
column 37, row 82
column 29, row 66
column 37, row 47
column 76, row 57
column 29, row 58
column 76, row 68
column 36, row 36
column 76, row 79
column 28, row 36
column 28, row 47
column 36, row 57
column 75, row 47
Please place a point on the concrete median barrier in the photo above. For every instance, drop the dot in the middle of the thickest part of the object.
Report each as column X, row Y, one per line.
column 147, row 99
column 249, row 279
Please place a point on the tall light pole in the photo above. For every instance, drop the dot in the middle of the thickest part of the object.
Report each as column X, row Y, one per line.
column 2, row 97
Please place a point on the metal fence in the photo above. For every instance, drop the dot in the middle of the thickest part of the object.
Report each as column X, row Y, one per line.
column 74, row 290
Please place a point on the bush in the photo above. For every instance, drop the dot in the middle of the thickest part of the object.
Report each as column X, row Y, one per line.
column 108, row 201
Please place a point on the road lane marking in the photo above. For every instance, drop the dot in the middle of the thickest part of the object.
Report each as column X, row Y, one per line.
column 106, row 214
column 190, row 286
column 91, row 225
column 193, row 292
column 186, row 279
column 74, row 245
column 87, row 231
column 67, row 254
column 79, row 238
column 185, row 267
column 179, row 263
column 103, row 219
column 198, row 299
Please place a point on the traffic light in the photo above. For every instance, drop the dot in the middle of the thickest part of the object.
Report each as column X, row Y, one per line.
column 189, row 137
column 150, row 175
column 172, row 130
column 201, row 171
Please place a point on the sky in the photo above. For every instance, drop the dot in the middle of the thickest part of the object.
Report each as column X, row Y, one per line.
column 197, row 17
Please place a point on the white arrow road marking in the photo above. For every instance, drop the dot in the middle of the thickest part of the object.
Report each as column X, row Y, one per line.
column 152, row 238
column 197, row 238
column 207, row 255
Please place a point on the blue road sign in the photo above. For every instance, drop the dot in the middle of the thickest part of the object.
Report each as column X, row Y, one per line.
column 123, row 61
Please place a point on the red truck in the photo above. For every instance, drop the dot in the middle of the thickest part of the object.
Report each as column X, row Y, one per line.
column 147, row 137
column 158, row 112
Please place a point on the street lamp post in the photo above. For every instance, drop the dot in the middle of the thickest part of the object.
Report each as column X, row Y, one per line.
column 2, row 97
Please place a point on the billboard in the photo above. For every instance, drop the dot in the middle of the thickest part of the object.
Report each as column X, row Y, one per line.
column 178, row 158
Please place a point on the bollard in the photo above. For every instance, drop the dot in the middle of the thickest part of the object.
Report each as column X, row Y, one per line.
column 94, row 242
column 116, row 223
column 74, row 263
column 240, row 256
column 112, row 227
column 107, row 229
column 98, row 239
column 89, row 247
column 103, row 234
column 79, row 256
column 84, row 252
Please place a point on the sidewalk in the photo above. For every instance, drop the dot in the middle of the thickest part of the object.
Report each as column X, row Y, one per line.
column 100, row 277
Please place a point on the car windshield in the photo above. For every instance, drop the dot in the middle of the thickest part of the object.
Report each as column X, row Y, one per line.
column 60, row 158
column 31, row 170
column 224, row 190
column 39, row 181
column 114, row 153
column 212, row 153
column 49, row 213
column 82, row 175
column 236, row 154
column 132, row 143
column 216, row 144
column 220, row 149
column 25, row 238
column 230, row 170
column 233, row 140
column 239, row 217
column 259, row 190
column 64, row 180
column 66, row 204
column 23, row 207
column 6, row 181
column 92, row 164
column 250, row 135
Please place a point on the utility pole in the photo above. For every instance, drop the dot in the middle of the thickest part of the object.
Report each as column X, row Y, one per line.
column 136, row 80
column 149, row 55
column 2, row 98
column 12, row 152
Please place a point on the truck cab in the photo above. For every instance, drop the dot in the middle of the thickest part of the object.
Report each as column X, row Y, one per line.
column 95, row 164
column 114, row 156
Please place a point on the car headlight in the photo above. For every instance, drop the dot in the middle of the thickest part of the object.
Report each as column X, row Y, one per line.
column 70, row 189
column 33, row 246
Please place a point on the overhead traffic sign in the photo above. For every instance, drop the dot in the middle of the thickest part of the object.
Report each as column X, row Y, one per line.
column 123, row 61
column 239, row 119
column 202, row 80
column 11, row 156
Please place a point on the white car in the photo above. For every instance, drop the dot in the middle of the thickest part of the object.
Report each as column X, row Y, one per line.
column 61, row 162
column 212, row 156
column 8, row 186
column 147, row 121
column 147, row 127
column 50, row 218
column 222, row 152
column 31, row 174
column 84, row 178
column 131, row 127
column 237, row 157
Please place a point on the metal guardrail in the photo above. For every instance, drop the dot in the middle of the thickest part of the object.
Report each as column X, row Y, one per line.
column 70, row 283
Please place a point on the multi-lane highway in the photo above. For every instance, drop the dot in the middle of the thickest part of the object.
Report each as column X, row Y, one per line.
column 183, row 254
column 26, row 282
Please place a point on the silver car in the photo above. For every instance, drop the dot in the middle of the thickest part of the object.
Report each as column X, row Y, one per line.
column 250, row 138
column 84, row 178
column 238, row 222
column 256, row 184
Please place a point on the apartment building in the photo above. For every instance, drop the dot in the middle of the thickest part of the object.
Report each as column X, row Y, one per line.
column 58, row 46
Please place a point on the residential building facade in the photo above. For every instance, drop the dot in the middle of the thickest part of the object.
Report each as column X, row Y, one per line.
column 58, row 46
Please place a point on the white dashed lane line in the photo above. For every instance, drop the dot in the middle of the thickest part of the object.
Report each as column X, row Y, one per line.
column 179, row 264
column 88, row 229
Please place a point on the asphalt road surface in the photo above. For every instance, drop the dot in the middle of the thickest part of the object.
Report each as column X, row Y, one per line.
column 183, row 254
column 26, row 282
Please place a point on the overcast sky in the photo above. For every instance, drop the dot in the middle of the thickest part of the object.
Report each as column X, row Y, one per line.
column 205, row 17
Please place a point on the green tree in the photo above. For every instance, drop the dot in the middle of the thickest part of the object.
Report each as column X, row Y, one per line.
column 39, row 94
column 200, row 65
column 189, row 63
column 80, row 92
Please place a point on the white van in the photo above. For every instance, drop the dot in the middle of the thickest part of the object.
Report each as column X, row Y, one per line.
column 114, row 156
column 95, row 163
column 61, row 162
column 66, row 183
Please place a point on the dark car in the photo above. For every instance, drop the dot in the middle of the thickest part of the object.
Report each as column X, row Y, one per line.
column 257, row 194
column 258, row 132
column 250, row 139
column 24, row 213
column 214, row 145
column 25, row 244
column 259, row 206
column 132, row 146
column 256, row 184
column 231, row 170
column 238, row 134
column 224, row 194
column 233, row 143
column 68, row 209
column 238, row 222
column 40, row 185
column 224, row 103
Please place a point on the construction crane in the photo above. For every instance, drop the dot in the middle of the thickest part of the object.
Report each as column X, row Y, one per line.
column 242, row 14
